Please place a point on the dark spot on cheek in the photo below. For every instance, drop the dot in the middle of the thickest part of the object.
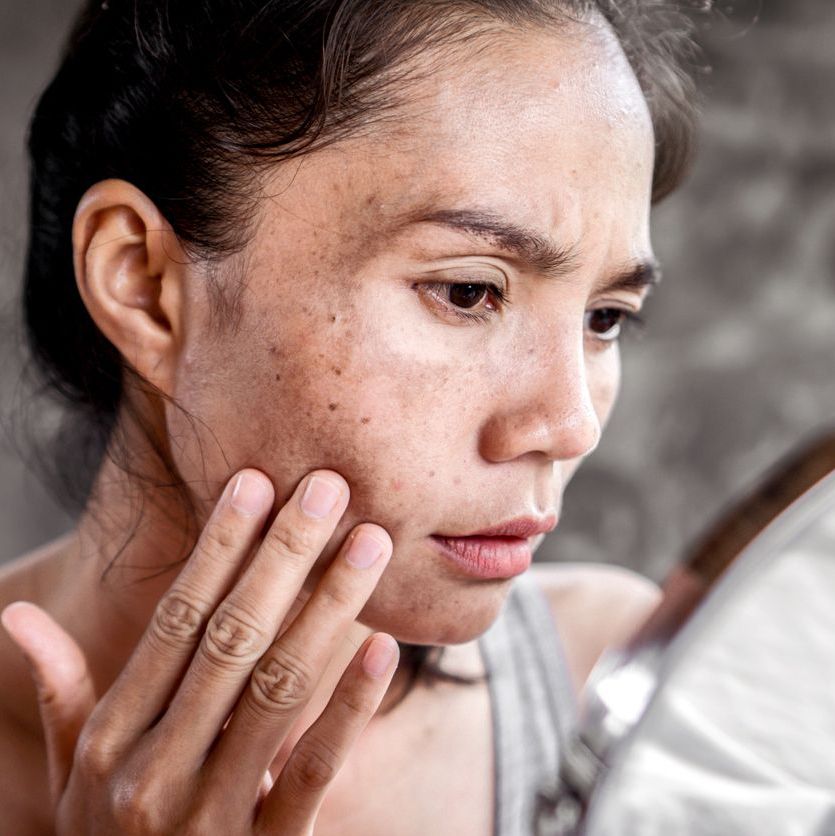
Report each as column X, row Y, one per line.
column 364, row 420
column 332, row 406
column 333, row 317
column 431, row 473
column 337, row 371
column 278, row 377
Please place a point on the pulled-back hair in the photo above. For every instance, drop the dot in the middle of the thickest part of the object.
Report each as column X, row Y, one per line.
column 190, row 99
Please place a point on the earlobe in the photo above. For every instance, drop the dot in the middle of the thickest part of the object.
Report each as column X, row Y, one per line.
column 130, row 270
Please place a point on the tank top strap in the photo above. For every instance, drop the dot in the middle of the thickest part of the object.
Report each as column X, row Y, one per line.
column 532, row 702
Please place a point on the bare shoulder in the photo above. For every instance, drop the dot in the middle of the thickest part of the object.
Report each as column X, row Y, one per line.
column 595, row 606
column 17, row 575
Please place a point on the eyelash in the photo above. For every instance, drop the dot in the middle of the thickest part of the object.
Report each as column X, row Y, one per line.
column 483, row 316
column 629, row 319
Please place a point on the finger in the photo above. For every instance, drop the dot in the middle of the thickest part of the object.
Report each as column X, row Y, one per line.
column 66, row 694
column 151, row 675
column 287, row 674
column 248, row 619
column 293, row 802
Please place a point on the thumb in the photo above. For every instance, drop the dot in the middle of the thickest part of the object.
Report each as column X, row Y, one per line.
column 66, row 695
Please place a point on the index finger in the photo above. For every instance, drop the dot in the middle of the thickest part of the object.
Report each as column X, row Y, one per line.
column 146, row 683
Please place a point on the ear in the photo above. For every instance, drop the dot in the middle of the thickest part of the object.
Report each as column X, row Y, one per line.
column 130, row 268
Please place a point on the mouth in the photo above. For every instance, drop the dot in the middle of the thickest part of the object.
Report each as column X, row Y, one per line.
column 519, row 527
column 500, row 551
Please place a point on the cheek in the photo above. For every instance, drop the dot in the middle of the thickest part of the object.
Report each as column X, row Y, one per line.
column 338, row 387
column 604, row 375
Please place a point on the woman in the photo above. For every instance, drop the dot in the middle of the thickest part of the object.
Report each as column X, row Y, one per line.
column 337, row 287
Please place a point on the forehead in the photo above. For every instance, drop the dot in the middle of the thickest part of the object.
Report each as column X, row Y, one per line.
column 548, row 128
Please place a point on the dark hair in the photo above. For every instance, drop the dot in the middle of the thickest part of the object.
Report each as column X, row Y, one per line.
column 189, row 100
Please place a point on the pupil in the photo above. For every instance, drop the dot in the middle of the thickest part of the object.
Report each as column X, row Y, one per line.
column 466, row 295
column 608, row 319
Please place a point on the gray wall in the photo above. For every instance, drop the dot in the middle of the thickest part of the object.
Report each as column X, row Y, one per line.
column 738, row 362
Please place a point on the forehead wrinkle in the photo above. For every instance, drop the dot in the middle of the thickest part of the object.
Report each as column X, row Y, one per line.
column 545, row 255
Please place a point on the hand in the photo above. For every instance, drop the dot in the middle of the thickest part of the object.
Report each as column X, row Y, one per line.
column 156, row 754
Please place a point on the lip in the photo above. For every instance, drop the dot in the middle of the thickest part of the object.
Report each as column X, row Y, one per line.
column 486, row 557
column 516, row 527
column 500, row 551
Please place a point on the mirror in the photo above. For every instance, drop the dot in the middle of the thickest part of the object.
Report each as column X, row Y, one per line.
column 719, row 716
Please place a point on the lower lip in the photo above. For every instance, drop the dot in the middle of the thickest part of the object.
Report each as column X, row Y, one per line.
column 486, row 557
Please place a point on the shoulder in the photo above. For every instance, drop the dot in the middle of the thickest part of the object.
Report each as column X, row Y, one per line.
column 595, row 606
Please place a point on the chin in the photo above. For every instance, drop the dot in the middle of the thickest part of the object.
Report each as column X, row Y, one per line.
column 457, row 615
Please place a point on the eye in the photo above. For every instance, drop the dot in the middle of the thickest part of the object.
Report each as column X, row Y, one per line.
column 466, row 295
column 473, row 301
column 607, row 324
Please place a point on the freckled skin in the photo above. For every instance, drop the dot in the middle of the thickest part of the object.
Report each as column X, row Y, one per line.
column 438, row 425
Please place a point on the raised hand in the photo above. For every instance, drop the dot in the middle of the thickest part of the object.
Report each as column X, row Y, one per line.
column 182, row 740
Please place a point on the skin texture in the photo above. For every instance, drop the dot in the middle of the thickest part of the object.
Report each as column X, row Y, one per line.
column 438, row 425
column 341, row 355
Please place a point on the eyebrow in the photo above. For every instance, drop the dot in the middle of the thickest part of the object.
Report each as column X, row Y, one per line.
column 544, row 254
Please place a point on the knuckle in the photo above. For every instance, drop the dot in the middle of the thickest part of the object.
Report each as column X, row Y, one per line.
column 138, row 804
column 93, row 755
column 48, row 697
column 315, row 766
column 280, row 684
column 219, row 538
column 232, row 638
column 339, row 598
column 359, row 704
column 294, row 541
column 177, row 621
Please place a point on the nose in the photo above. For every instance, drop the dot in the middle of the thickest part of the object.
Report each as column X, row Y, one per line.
column 547, row 410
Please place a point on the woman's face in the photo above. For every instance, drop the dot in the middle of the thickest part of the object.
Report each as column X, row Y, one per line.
column 445, row 409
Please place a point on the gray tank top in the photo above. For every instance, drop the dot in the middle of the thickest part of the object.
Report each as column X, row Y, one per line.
column 533, row 706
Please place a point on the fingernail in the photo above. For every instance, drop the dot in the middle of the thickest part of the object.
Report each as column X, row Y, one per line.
column 250, row 495
column 378, row 657
column 364, row 550
column 320, row 497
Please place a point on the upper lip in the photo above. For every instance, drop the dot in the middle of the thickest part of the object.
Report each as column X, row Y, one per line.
column 517, row 527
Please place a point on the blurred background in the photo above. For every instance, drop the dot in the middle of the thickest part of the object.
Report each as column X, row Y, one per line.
column 737, row 364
